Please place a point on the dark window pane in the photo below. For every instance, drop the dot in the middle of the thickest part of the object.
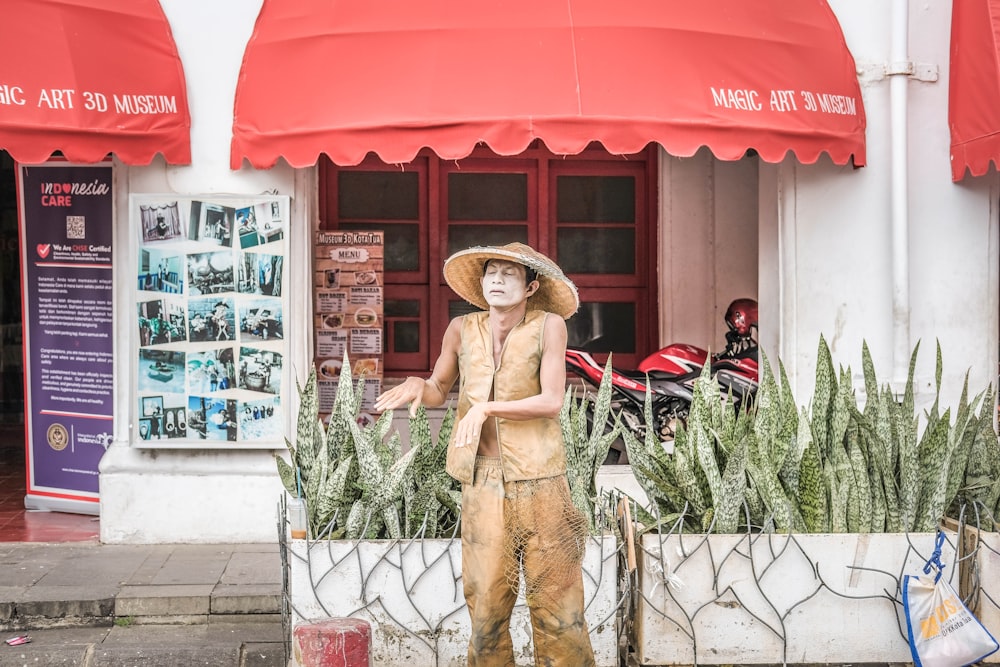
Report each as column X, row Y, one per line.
column 590, row 250
column 461, row 237
column 603, row 327
column 456, row 308
column 402, row 243
column 487, row 196
column 595, row 199
column 405, row 337
column 402, row 308
column 386, row 195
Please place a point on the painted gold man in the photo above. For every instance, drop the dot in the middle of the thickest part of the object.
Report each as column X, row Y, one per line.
column 508, row 452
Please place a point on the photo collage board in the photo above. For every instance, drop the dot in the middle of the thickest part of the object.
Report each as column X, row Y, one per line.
column 349, row 312
column 210, row 308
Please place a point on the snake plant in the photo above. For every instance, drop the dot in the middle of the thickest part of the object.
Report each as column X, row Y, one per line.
column 356, row 481
column 835, row 467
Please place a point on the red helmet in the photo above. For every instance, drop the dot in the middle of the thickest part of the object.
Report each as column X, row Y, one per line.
column 741, row 316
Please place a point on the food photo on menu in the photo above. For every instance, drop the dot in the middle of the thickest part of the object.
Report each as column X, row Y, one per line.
column 365, row 317
column 329, row 369
column 333, row 321
column 367, row 366
column 365, row 278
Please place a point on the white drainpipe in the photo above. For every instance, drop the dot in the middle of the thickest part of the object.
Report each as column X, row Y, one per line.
column 900, row 68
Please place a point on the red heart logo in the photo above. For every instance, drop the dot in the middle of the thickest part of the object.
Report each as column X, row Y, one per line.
column 43, row 249
column 67, row 187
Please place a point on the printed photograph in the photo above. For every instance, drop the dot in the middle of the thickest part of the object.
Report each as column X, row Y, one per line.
column 270, row 231
column 261, row 319
column 162, row 421
column 160, row 223
column 246, row 227
column 211, row 223
column 210, row 273
column 211, row 418
column 150, row 406
column 175, row 421
column 260, row 420
column 161, row 321
column 329, row 369
column 259, row 370
column 161, row 371
column 211, row 371
column 151, row 422
column 260, row 274
column 211, row 319
column 161, row 271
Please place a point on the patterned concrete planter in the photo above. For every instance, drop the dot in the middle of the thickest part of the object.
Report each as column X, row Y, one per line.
column 988, row 602
column 411, row 593
column 773, row 599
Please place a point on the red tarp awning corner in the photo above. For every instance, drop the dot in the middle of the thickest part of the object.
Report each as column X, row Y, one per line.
column 974, row 87
column 89, row 78
column 349, row 77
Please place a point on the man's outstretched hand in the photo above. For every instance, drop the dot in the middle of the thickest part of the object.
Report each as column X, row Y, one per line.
column 409, row 391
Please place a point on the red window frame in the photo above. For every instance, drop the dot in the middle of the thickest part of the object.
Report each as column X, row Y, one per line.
column 427, row 286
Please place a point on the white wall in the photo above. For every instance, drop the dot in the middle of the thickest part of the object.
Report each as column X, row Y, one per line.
column 152, row 496
column 707, row 244
column 953, row 240
column 828, row 230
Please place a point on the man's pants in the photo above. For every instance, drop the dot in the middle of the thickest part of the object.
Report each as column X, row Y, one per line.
column 531, row 526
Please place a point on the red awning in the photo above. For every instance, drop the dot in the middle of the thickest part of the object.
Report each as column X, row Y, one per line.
column 974, row 87
column 88, row 78
column 345, row 77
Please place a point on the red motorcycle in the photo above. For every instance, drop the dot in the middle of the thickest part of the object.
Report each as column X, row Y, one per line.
column 671, row 373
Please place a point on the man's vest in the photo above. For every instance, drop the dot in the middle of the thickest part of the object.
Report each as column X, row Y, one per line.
column 530, row 448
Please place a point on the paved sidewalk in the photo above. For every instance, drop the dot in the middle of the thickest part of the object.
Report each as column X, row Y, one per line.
column 92, row 604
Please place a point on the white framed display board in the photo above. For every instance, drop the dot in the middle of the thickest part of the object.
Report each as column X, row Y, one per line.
column 208, row 325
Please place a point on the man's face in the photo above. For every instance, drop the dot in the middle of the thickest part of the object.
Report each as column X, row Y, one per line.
column 504, row 286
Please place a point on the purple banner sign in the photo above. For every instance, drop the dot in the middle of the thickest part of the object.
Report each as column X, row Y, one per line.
column 66, row 233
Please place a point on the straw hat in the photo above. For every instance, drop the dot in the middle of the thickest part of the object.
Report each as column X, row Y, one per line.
column 556, row 293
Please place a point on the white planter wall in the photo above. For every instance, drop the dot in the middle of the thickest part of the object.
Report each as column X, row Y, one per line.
column 988, row 610
column 411, row 593
column 770, row 599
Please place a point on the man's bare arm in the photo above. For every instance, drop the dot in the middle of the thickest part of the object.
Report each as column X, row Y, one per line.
column 433, row 391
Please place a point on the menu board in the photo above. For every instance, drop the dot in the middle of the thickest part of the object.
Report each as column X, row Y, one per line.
column 349, row 312
column 210, row 306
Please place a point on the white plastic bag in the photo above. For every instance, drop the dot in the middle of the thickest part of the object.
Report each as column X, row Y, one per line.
column 942, row 631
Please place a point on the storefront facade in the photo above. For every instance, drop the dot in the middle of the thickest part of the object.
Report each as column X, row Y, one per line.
column 826, row 248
